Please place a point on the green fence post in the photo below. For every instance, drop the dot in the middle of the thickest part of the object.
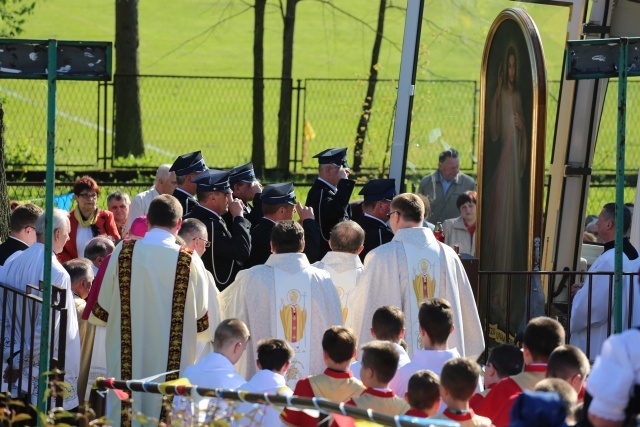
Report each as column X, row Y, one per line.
column 622, row 110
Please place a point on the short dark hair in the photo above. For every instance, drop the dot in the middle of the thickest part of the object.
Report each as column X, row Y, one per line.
column 542, row 335
column 467, row 197
column 567, row 394
column 202, row 195
column 274, row 353
column 566, row 361
column 460, row 377
column 164, row 211
column 25, row 216
column 287, row 237
column 85, row 183
column 98, row 246
column 229, row 330
column 436, row 318
column 269, row 209
column 78, row 269
column 450, row 152
column 423, row 389
column 382, row 357
column 346, row 236
column 611, row 209
column 409, row 206
column 340, row 343
column 387, row 323
column 506, row 359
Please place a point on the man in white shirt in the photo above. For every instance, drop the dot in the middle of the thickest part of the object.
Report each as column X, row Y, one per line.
column 27, row 269
column 165, row 183
column 216, row 369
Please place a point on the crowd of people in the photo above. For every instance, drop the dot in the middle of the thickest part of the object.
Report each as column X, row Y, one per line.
column 207, row 277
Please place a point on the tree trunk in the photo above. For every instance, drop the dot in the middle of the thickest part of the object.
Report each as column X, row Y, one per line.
column 5, row 207
column 284, row 115
column 367, row 105
column 128, row 126
column 257, row 152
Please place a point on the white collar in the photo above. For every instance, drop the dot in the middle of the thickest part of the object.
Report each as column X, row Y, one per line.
column 215, row 213
column 334, row 188
column 377, row 219
column 19, row 240
column 269, row 219
column 185, row 192
column 160, row 237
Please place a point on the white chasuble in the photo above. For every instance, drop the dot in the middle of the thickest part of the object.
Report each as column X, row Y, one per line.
column 414, row 265
column 423, row 265
column 293, row 292
column 345, row 270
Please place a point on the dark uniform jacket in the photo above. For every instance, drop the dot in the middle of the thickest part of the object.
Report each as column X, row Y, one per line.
column 376, row 233
column 329, row 207
column 251, row 212
column 228, row 250
column 9, row 247
column 187, row 201
column 261, row 241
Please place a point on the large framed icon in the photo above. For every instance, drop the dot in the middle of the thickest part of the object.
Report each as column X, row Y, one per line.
column 513, row 98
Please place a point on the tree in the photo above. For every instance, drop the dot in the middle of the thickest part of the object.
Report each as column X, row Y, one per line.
column 257, row 153
column 12, row 16
column 367, row 104
column 128, row 116
column 5, row 208
column 284, row 114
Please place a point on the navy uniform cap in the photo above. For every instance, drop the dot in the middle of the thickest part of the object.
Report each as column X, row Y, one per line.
column 336, row 156
column 188, row 163
column 379, row 189
column 275, row 194
column 243, row 173
column 213, row 180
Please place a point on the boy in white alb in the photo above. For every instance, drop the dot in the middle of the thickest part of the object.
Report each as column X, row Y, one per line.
column 436, row 324
column 387, row 325
column 274, row 358
column 216, row 369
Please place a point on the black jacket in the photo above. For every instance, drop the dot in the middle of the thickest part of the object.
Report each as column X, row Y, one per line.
column 375, row 234
column 9, row 247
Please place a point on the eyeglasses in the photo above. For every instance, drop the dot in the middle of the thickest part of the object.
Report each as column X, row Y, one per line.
column 391, row 213
column 206, row 242
column 88, row 196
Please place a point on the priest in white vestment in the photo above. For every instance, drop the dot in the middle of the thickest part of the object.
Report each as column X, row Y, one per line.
column 28, row 269
column 410, row 268
column 153, row 302
column 285, row 298
column 343, row 264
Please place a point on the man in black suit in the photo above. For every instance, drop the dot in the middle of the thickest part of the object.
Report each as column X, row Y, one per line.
column 186, row 168
column 247, row 188
column 278, row 203
column 329, row 196
column 229, row 248
column 378, row 194
column 23, row 232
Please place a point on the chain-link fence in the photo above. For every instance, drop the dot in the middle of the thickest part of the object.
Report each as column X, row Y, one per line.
column 215, row 115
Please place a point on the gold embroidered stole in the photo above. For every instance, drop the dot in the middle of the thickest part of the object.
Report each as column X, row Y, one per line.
column 181, row 285
column 335, row 389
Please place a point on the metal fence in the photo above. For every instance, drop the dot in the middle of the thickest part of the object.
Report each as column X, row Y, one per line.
column 214, row 114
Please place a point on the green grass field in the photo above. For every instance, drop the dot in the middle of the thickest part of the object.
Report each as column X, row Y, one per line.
column 214, row 38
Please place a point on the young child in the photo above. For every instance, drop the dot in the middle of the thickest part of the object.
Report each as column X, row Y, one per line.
column 505, row 360
column 274, row 358
column 379, row 365
column 567, row 394
column 216, row 370
column 458, row 383
column 436, row 324
column 541, row 336
column 423, row 394
column 387, row 324
column 336, row 383
column 569, row 363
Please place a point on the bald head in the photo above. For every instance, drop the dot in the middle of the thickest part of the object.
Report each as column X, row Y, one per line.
column 97, row 249
column 347, row 236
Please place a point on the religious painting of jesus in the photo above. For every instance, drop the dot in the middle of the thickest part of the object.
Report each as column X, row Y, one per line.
column 511, row 166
